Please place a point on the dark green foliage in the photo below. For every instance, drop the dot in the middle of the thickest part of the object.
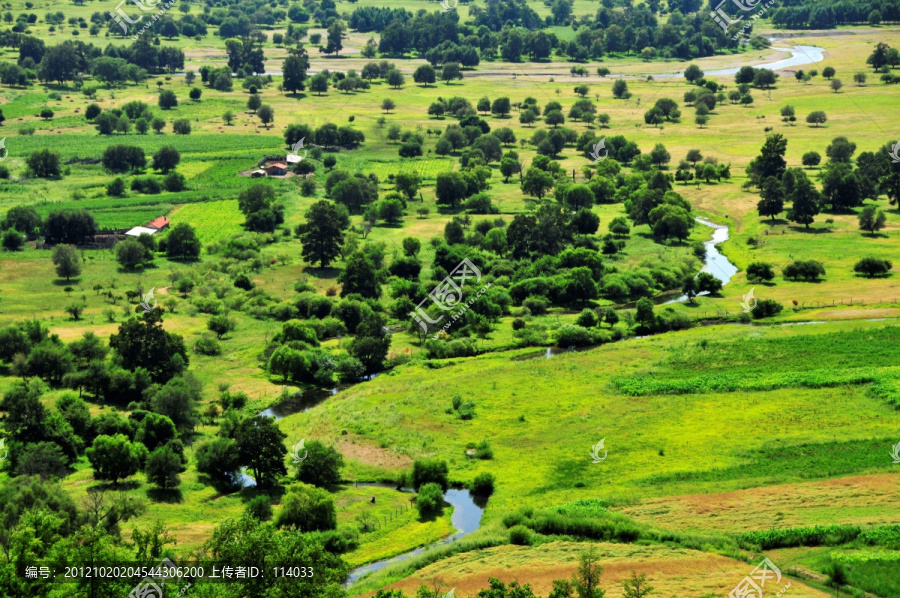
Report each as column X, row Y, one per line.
column 322, row 465
column 766, row 308
column 433, row 470
column 873, row 266
column 307, row 509
column 430, row 499
column 807, row 270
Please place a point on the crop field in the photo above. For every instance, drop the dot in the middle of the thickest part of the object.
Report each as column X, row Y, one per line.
column 256, row 382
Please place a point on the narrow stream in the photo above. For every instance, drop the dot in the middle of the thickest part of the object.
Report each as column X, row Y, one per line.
column 466, row 518
column 715, row 263
column 799, row 56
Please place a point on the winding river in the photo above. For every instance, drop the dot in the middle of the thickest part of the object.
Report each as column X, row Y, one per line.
column 466, row 519
column 715, row 263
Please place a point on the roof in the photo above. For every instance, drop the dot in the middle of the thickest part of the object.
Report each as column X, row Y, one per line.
column 280, row 165
column 160, row 222
column 137, row 231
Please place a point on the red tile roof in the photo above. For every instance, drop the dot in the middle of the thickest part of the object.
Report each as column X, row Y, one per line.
column 280, row 165
column 159, row 223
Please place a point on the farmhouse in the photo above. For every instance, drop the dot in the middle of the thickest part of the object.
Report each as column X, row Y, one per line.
column 160, row 223
column 276, row 169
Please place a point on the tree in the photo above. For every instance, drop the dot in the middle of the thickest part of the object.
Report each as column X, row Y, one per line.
column 811, row 159
column 260, row 445
column 195, row 93
column 836, row 85
column 788, row 115
column 65, row 258
column 451, row 71
column 694, row 156
column 871, row 218
column 859, row 79
column 425, row 74
column 644, row 313
column 158, row 125
column 360, row 277
column 254, row 102
column 115, row 457
column 537, row 182
column 693, row 73
column 879, row 56
column 429, row 500
column 828, row 72
column 143, row 343
column 334, row 43
column 323, row 232
column 760, row 272
column 817, row 118
column 163, row 466
column 407, row 183
column 294, row 72
column 220, row 325
column 308, row 509
column 620, row 89
column 44, row 164
column 806, row 200
column 266, row 114
column 319, row 84
column 636, row 587
column 181, row 126
column 322, row 465
column 218, row 458
column 840, row 150
column 587, row 577
column 388, row 104
column 166, row 159
column 182, row 243
column 12, row 240
column 772, row 202
column 167, row 99
column 395, row 79
column 500, row 107
column 130, row 254
column 431, row 470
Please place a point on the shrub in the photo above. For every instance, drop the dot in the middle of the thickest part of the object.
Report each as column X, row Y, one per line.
column 766, row 308
column 260, row 508
column 758, row 271
column 427, row 471
column 182, row 126
column 484, row 450
column 536, row 305
column 572, row 335
column 429, row 500
column 482, row 485
column 808, row 270
column 207, row 345
column 520, row 535
column 872, row 267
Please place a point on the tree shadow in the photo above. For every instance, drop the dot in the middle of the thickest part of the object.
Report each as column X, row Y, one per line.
column 110, row 486
column 60, row 282
column 166, row 495
column 322, row 273
column 810, row 231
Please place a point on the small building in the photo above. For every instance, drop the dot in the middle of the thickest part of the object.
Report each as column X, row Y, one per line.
column 137, row 231
column 276, row 169
column 257, row 174
column 160, row 223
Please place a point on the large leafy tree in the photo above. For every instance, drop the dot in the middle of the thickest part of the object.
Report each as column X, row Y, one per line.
column 260, row 445
column 294, row 69
column 360, row 277
column 182, row 243
column 806, row 200
column 115, row 457
column 322, row 466
column 143, row 343
column 323, row 232
column 770, row 161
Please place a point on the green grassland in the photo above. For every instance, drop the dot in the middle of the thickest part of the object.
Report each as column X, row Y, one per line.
column 713, row 412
